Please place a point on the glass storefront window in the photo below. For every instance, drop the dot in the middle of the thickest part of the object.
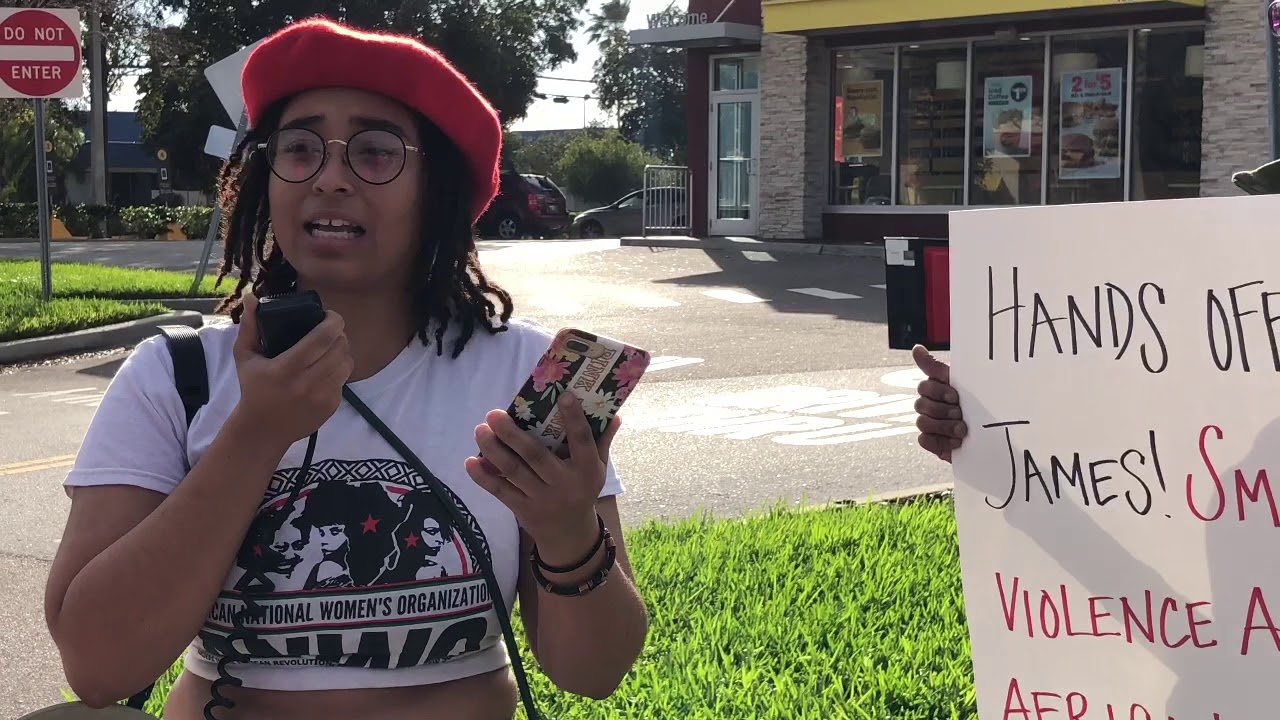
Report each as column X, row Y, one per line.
column 1168, row 104
column 1063, row 132
column 1086, row 109
column 863, row 122
column 738, row 73
column 931, row 115
column 1006, row 142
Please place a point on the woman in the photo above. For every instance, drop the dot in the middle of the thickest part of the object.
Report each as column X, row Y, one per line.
column 368, row 162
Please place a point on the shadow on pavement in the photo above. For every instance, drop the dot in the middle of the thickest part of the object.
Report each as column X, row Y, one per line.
column 106, row 370
column 774, row 281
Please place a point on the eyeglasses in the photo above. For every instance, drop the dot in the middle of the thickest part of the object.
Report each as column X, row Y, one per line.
column 296, row 155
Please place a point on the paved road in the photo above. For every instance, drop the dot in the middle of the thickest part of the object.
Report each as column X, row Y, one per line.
column 181, row 255
column 772, row 383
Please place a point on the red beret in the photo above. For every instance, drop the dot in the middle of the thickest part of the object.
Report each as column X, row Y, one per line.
column 320, row 53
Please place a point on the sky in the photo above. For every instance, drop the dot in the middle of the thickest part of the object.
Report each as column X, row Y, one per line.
column 543, row 114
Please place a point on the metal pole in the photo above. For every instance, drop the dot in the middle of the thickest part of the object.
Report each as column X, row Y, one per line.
column 97, row 107
column 42, row 201
column 216, row 219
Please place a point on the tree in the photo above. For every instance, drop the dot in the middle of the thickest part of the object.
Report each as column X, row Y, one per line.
column 501, row 45
column 18, row 142
column 644, row 86
column 542, row 154
column 602, row 168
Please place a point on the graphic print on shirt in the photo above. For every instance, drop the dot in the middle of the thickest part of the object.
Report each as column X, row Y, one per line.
column 365, row 550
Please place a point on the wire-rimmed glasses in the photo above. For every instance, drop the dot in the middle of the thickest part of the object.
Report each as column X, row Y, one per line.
column 296, row 155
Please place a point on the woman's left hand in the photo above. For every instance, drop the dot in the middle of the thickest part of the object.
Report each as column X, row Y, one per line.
column 553, row 498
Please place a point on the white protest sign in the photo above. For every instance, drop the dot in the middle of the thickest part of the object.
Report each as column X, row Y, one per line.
column 1119, row 369
column 224, row 76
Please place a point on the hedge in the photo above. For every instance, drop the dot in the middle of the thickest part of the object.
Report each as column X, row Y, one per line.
column 20, row 220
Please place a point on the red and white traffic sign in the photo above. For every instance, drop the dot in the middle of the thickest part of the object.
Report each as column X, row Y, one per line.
column 40, row 53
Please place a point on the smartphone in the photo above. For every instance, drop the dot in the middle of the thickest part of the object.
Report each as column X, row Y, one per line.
column 599, row 370
column 285, row 319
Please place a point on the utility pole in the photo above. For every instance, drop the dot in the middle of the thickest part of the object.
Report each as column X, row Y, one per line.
column 97, row 106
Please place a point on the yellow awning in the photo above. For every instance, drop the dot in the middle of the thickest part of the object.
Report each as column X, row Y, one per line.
column 781, row 16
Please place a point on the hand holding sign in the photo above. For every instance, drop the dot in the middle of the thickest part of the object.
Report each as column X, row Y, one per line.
column 1116, row 514
column 941, row 422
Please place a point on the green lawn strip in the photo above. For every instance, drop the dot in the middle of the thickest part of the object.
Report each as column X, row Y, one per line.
column 84, row 296
column 840, row 613
column 98, row 281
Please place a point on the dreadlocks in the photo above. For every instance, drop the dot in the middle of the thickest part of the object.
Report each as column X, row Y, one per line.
column 448, row 283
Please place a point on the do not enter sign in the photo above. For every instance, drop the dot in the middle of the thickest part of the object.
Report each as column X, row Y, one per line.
column 40, row 54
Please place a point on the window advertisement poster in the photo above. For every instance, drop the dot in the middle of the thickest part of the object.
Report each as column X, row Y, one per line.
column 861, row 118
column 1006, row 119
column 1089, row 141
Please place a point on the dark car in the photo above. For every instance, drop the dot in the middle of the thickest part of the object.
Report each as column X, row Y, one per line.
column 526, row 205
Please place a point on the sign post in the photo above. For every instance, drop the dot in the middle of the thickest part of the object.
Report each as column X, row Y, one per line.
column 224, row 76
column 40, row 59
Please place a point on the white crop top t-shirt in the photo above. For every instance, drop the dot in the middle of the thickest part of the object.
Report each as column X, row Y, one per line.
column 373, row 586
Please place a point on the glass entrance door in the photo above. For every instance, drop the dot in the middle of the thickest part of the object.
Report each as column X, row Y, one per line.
column 735, row 150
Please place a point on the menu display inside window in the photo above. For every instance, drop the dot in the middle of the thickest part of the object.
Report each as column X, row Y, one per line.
column 1090, row 123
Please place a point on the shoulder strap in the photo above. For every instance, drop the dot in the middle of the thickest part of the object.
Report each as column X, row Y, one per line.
column 191, row 377
column 189, row 372
column 468, row 537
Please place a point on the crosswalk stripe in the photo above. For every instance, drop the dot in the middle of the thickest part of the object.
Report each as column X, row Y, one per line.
column 757, row 256
column 878, row 287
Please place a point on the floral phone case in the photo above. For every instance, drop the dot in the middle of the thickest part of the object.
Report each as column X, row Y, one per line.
column 600, row 370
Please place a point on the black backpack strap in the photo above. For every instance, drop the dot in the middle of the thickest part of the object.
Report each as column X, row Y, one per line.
column 191, row 377
column 189, row 372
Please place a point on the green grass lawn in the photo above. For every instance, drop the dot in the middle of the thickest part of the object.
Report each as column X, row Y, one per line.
column 844, row 613
column 84, row 296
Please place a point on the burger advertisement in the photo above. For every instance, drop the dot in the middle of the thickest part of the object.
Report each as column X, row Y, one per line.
column 1089, row 139
column 1089, row 142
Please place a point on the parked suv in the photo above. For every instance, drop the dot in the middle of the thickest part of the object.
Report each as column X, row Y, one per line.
column 526, row 205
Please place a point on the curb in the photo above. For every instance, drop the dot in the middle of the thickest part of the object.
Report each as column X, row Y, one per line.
column 119, row 334
column 897, row 497
column 792, row 248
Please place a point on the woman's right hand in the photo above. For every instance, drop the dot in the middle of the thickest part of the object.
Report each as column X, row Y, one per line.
column 290, row 396
column 941, row 423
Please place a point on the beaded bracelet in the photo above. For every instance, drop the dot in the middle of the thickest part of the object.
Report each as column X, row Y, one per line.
column 595, row 581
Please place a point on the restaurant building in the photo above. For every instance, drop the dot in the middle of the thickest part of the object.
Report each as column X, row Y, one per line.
column 852, row 120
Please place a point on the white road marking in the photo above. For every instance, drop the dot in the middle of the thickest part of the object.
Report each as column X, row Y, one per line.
column 879, row 287
column 787, row 415
column 825, row 294
column 668, row 362
column 56, row 393
column 757, row 256
column 905, row 378
column 733, row 296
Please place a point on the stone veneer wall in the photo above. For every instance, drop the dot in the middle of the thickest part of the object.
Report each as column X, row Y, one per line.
column 795, row 105
column 1236, row 120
